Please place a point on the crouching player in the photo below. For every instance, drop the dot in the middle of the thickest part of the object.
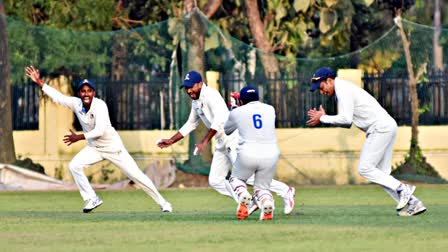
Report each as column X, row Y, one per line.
column 258, row 152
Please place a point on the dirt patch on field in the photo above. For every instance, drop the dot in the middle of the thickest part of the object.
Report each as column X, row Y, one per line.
column 184, row 179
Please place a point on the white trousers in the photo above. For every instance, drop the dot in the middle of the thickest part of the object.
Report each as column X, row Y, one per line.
column 258, row 162
column 376, row 160
column 223, row 160
column 88, row 156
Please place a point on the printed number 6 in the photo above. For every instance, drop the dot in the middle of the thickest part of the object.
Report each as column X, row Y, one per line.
column 257, row 121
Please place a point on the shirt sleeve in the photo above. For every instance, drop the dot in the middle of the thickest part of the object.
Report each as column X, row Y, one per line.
column 101, row 113
column 344, row 118
column 230, row 126
column 59, row 98
column 191, row 124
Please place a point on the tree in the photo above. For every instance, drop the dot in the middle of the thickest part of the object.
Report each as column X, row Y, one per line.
column 7, row 153
column 195, row 40
column 415, row 162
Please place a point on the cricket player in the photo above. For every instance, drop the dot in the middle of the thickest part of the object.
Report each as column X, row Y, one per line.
column 357, row 106
column 208, row 106
column 258, row 152
column 103, row 142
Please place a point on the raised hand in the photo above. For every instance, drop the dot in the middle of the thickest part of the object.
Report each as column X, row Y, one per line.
column 34, row 75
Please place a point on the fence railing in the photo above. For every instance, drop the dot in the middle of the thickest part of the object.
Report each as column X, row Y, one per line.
column 25, row 107
column 139, row 104
column 392, row 92
column 136, row 104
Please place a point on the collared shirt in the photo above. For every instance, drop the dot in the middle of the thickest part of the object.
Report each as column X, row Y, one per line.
column 357, row 106
column 212, row 110
column 95, row 123
column 255, row 122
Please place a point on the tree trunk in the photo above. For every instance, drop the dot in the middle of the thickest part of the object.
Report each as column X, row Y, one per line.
column 7, row 150
column 438, row 50
column 195, row 39
column 268, row 60
column 412, row 88
column 211, row 7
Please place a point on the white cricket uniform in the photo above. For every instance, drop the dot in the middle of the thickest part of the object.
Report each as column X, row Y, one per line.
column 103, row 142
column 357, row 106
column 258, row 152
column 211, row 108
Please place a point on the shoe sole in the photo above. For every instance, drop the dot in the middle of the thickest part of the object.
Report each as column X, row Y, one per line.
column 411, row 193
column 90, row 210
column 242, row 212
column 291, row 202
column 267, row 213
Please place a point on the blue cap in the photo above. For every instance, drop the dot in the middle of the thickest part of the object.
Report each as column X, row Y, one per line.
column 191, row 78
column 248, row 94
column 86, row 82
column 320, row 75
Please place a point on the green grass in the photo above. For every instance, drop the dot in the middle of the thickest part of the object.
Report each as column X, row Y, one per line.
column 326, row 218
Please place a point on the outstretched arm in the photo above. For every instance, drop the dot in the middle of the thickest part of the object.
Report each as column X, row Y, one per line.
column 34, row 75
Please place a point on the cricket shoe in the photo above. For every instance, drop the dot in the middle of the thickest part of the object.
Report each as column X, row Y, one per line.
column 92, row 204
column 242, row 212
column 253, row 207
column 405, row 193
column 413, row 209
column 288, row 200
column 166, row 207
column 267, row 210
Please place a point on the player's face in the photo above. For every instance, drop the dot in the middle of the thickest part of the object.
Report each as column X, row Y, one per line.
column 194, row 91
column 86, row 94
column 327, row 87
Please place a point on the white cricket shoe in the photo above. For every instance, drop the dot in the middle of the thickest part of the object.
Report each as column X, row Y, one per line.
column 252, row 207
column 92, row 204
column 288, row 200
column 267, row 210
column 242, row 212
column 413, row 209
column 405, row 192
column 166, row 207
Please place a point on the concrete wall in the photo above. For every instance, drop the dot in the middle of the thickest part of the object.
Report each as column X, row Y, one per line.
column 308, row 156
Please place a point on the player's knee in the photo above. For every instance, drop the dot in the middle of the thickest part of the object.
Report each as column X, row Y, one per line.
column 365, row 169
column 74, row 167
column 215, row 181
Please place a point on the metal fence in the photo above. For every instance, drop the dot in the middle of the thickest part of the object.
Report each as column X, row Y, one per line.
column 392, row 92
column 289, row 94
column 25, row 106
column 135, row 104
column 145, row 104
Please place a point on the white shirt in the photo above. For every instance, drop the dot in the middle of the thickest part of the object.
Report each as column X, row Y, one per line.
column 255, row 122
column 211, row 108
column 95, row 123
column 357, row 106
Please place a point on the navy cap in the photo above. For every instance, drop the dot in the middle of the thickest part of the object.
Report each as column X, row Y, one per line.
column 320, row 75
column 248, row 94
column 191, row 78
column 86, row 82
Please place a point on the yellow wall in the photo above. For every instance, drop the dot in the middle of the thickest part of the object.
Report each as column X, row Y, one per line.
column 308, row 156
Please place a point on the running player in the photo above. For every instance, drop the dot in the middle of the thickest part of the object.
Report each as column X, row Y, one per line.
column 208, row 106
column 103, row 142
column 357, row 106
column 258, row 152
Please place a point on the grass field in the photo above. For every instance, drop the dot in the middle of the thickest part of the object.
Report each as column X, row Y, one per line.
column 326, row 218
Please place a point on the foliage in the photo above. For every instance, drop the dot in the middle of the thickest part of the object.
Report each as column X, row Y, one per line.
column 28, row 163
column 416, row 164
